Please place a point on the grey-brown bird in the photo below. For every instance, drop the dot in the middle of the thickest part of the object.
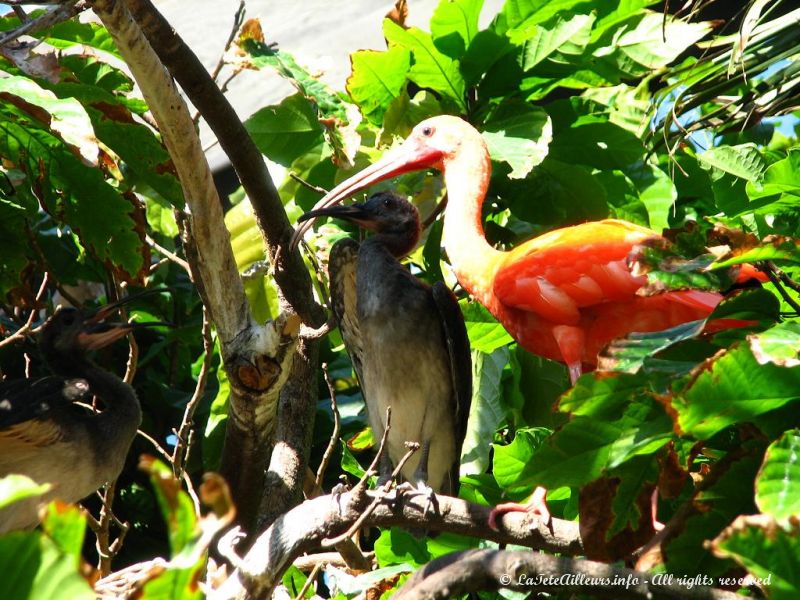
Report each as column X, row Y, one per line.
column 407, row 341
column 46, row 436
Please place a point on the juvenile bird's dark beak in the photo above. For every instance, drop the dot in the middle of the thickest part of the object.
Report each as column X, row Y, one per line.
column 97, row 333
column 355, row 213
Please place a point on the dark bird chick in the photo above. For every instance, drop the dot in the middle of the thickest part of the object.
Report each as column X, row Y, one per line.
column 406, row 339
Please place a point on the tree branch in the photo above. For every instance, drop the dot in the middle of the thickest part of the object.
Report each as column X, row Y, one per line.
column 291, row 274
column 51, row 17
column 478, row 570
column 305, row 527
column 257, row 358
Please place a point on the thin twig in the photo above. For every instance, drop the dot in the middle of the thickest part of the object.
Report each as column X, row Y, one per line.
column 181, row 451
column 103, row 532
column 307, row 562
column 309, row 580
column 22, row 331
column 337, row 426
column 783, row 276
column 170, row 255
column 304, row 183
column 769, row 271
column 186, row 479
column 238, row 19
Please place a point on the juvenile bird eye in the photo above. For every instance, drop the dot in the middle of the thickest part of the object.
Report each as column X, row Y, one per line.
column 427, row 131
column 387, row 202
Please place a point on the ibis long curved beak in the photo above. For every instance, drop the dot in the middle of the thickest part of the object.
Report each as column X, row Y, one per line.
column 411, row 155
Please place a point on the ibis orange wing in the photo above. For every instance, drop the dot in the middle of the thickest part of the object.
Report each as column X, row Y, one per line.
column 558, row 273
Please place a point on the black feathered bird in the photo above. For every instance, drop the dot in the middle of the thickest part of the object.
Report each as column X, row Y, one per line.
column 406, row 339
column 47, row 437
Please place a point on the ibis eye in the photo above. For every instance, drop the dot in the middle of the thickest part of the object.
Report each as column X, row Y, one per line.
column 387, row 203
column 427, row 131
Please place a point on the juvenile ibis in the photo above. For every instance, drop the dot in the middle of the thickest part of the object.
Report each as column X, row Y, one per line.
column 563, row 295
column 45, row 436
column 407, row 341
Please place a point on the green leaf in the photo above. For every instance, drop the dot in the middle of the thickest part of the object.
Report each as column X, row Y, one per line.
column 518, row 134
column 377, row 80
column 541, row 41
column 66, row 526
column 740, row 384
column 778, row 480
column 40, row 569
column 454, row 25
column 398, row 547
column 597, row 144
column 67, row 187
column 629, row 354
column 655, row 42
column 285, row 131
column 485, row 333
column 656, row 191
column 430, row 69
column 711, row 509
column 14, row 488
column 511, row 460
column 769, row 552
column 780, row 187
column 349, row 463
column 66, row 117
column 486, row 410
column 329, row 103
column 294, row 580
column 744, row 161
column 69, row 33
column 176, row 506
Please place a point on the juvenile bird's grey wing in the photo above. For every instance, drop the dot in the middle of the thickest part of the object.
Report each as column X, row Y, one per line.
column 342, row 268
column 455, row 334
column 25, row 399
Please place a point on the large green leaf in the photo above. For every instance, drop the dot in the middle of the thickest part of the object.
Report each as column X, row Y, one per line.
column 486, row 410
column 14, row 488
column 430, row 68
column 741, row 384
column 286, row 131
column 454, row 24
column 744, row 161
column 780, row 187
column 541, row 41
column 70, row 189
column 518, row 134
column 778, row 481
column 40, row 569
column 769, row 552
column 377, row 79
column 485, row 333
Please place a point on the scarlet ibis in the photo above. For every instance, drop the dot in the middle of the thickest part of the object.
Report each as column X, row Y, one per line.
column 45, row 436
column 407, row 341
column 563, row 295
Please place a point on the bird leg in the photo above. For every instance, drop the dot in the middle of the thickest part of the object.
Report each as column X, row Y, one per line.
column 571, row 341
column 420, row 479
column 536, row 504
column 385, row 469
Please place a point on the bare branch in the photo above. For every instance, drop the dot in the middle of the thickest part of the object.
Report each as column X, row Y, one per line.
column 337, row 426
column 303, row 528
column 477, row 570
column 53, row 16
column 181, row 451
column 170, row 255
column 774, row 275
column 22, row 331
column 309, row 580
column 308, row 562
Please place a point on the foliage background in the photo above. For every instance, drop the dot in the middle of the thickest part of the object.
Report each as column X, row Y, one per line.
column 591, row 110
